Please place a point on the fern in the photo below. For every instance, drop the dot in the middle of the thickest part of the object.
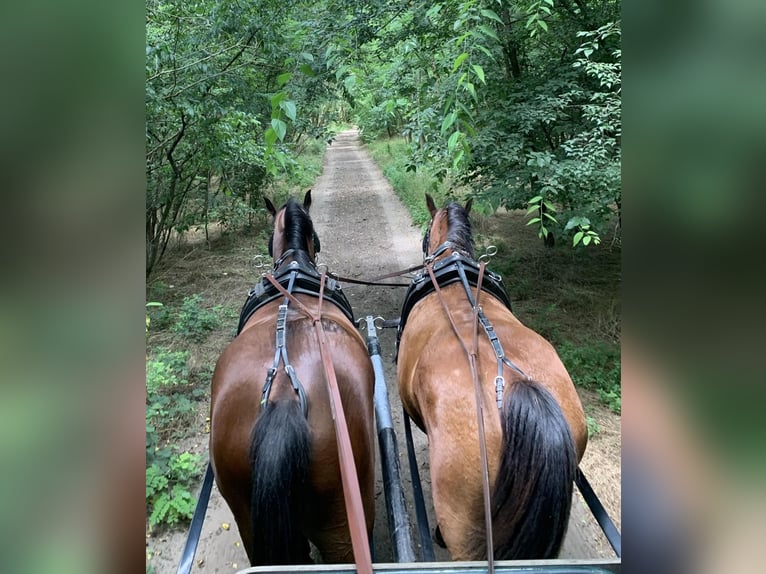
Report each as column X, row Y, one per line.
column 168, row 492
column 161, row 507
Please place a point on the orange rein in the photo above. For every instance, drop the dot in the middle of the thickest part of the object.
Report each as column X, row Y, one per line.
column 472, row 355
column 351, row 493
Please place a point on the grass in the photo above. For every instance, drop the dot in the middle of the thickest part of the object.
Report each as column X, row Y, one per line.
column 410, row 186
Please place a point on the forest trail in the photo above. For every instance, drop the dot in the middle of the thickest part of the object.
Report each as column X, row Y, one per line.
column 365, row 231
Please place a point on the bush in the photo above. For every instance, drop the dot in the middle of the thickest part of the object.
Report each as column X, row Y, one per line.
column 595, row 366
column 168, row 399
column 192, row 321
column 168, row 496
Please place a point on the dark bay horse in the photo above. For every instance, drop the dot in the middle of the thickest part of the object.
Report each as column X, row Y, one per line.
column 535, row 434
column 272, row 439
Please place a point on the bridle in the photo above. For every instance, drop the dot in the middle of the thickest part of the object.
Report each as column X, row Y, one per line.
column 441, row 249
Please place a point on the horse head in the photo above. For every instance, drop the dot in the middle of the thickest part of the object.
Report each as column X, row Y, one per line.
column 448, row 231
column 293, row 232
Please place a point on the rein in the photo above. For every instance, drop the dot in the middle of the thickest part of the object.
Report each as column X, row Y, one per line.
column 351, row 492
column 375, row 281
column 472, row 355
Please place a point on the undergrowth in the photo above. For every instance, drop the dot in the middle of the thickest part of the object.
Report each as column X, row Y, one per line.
column 193, row 321
column 595, row 366
column 171, row 474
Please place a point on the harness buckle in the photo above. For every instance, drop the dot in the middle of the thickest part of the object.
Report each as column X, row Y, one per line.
column 282, row 317
column 293, row 378
column 499, row 386
column 270, row 374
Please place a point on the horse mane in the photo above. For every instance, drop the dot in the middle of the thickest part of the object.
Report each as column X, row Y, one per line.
column 459, row 226
column 299, row 228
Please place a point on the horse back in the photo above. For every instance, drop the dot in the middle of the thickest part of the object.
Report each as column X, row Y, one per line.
column 237, row 386
column 434, row 373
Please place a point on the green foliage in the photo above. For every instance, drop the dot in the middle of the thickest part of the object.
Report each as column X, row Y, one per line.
column 169, row 408
column 612, row 398
column 515, row 100
column 542, row 211
column 595, row 366
column 151, row 305
column 231, row 100
column 168, row 496
column 168, row 404
column 584, row 232
column 194, row 322
column 536, row 13
column 232, row 213
column 410, row 186
column 544, row 321
column 167, row 369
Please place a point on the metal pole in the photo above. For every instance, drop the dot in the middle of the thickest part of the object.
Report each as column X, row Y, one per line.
column 599, row 512
column 396, row 508
column 187, row 558
column 417, row 491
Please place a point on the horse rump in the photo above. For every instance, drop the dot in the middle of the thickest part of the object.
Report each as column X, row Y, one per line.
column 532, row 497
column 279, row 457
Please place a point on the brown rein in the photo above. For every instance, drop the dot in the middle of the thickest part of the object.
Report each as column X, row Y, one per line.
column 472, row 356
column 351, row 493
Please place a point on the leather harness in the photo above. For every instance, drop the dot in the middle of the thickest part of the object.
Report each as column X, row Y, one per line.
column 294, row 278
column 306, row 280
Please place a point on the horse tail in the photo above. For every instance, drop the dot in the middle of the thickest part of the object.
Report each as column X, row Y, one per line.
column 532, row 496
column 279, row 458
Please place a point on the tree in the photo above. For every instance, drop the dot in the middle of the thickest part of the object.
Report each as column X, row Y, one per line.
column 219, row 108
column 516, row 100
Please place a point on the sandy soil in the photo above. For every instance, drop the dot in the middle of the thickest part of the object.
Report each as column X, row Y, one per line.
column 365, row 231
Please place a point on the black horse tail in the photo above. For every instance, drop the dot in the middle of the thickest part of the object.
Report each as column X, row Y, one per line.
column 532, row 496
column 279, row 456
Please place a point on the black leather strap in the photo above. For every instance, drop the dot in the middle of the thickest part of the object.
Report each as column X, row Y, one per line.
column 195, row 529
column 306, row 281
column 417, row 490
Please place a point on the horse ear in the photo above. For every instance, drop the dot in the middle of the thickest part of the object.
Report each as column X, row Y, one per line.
column 307, row 200
column 468, row 205
column 431, row 206
column 270, row 206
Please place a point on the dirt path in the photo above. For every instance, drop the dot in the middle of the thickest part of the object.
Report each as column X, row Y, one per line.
column 365, row 231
